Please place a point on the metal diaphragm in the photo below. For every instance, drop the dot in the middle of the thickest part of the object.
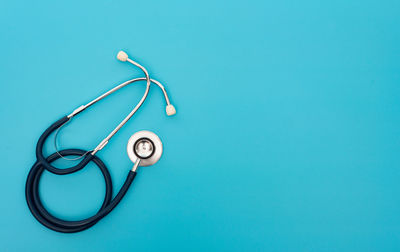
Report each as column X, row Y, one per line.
column 146, row 146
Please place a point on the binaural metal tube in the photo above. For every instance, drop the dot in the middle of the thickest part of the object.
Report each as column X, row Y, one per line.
column 105, row 140
column 122, row 56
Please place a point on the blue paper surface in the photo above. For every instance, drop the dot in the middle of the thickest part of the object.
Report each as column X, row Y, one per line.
column 286, row 137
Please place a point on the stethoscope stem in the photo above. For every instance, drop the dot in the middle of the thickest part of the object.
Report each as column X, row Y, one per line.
column 136, row 165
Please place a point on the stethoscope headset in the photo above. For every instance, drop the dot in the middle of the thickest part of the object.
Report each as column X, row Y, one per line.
column 144, row 148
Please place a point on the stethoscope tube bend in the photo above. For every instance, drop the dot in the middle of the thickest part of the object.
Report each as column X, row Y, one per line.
column 87, row 157
column 43, row 216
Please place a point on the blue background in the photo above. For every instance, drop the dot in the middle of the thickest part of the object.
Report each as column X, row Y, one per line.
column 286, row 138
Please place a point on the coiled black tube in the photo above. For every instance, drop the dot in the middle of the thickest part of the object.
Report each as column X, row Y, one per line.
column 43, row 160
column 43, row 216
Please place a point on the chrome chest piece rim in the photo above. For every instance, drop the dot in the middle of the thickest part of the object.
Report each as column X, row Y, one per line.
column 146, row 146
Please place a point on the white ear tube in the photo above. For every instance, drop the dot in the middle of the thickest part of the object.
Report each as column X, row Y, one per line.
column 122, row 56
column 170, row 109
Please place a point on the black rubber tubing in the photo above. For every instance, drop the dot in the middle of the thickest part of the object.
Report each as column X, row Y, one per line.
column 40, row 157
column 32, row 187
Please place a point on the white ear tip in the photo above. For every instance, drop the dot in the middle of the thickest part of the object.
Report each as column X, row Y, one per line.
column 122, row 56
column 170, row 110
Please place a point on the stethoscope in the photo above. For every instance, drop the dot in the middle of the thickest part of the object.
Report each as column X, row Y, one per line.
column 144, row 148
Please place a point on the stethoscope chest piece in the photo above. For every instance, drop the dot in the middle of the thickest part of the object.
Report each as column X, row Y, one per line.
column 144, row 146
